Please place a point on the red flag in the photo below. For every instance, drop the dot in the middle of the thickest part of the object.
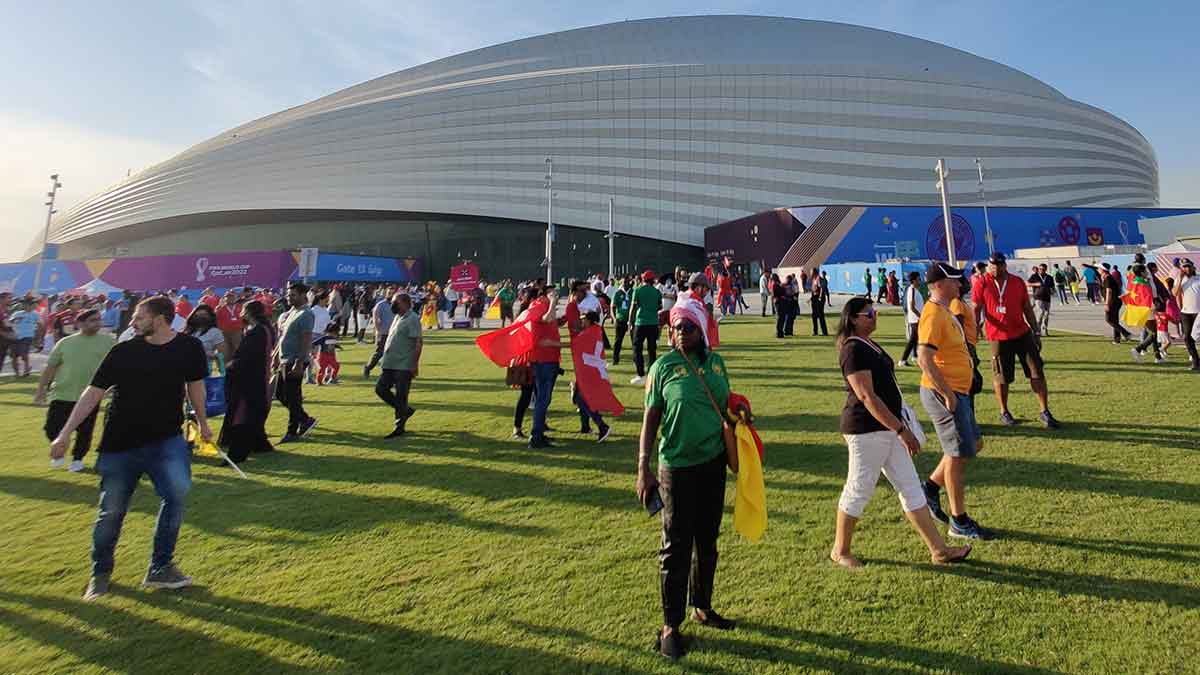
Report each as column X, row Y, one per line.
column 505, row 344
column 591, row 372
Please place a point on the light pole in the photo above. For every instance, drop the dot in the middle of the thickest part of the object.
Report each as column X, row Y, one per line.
column 549, row 221
column 943, row 180
column 37, row 276
column 987, row 225
column 611, row 236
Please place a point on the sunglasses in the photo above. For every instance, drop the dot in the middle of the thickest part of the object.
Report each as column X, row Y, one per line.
column 870, row 313
column 686, row 328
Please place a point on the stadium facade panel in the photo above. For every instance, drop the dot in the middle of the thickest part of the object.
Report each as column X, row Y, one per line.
column 684, row 122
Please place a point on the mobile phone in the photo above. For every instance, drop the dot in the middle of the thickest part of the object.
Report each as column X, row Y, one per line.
column 656, row 503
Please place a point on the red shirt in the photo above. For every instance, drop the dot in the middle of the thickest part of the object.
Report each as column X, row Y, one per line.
column 1003, row 317
column 229, row 318
column 543, row 330
column 183, row 308
column 210, row 300
column 572, row 317
column 267, row 301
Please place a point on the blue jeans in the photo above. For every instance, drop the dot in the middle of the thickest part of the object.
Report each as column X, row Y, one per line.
column 544, row 375
column 169, row 464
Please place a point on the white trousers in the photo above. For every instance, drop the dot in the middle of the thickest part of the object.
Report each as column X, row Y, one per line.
column 871, row 453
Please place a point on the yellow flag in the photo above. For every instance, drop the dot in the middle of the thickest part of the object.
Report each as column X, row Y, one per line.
column 493, row 310
column 750, row 502
column 200, row 447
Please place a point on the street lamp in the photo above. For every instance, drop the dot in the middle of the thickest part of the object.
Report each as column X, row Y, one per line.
column 987, row 225
column 943, row 186
column 37, row 276
column 549, row 221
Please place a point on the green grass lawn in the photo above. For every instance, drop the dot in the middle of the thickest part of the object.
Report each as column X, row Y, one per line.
column 456, row 549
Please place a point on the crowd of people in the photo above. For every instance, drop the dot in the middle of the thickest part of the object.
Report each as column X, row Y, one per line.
column 153, row 355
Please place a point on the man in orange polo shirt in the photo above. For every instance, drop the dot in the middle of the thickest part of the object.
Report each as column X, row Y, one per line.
column 1002, row 306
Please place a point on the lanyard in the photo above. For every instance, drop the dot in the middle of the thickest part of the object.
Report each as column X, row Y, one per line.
column 879, row 351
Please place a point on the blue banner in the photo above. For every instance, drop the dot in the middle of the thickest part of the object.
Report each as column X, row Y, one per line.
column 338, row 267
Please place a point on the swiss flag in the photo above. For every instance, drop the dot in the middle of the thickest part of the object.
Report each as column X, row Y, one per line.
column 591, row 372
column 503, row 345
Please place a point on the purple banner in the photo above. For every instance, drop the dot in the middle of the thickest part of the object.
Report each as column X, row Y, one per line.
column 220, row 270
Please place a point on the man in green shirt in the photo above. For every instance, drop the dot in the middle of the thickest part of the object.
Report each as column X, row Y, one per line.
column 622, row 297
column 401, row 357
column 881, row 277
column 506, row 295
column 647, row 301
column 72, row 364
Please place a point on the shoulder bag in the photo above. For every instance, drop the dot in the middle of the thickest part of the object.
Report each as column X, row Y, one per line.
column 728, row 435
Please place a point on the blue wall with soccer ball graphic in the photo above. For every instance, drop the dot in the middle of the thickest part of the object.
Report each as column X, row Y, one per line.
column 918, row 233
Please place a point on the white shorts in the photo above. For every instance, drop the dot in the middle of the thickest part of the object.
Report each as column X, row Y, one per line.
column 871, row 453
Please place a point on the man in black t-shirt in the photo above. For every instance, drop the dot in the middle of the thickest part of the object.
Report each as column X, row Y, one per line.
column 148, row 376
column 1111, row 283
column 1041, row 286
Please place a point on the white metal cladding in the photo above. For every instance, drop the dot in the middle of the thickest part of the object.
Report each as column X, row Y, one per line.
column 684, row 121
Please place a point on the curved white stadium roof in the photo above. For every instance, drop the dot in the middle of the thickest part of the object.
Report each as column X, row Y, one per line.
column 684, row 121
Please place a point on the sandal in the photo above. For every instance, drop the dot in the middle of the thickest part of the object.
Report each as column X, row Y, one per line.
column 712, row 619
column 672, row 647
column 951, row 555
column 847, row 561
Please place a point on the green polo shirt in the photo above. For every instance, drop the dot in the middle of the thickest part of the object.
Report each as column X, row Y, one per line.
column 400, row 351
column 77, row 357
column 690, row 432
column 648, row 300
column 506, row 296
column 620, row 303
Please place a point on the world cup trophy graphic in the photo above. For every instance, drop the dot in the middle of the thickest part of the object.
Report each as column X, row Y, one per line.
column 201, row 266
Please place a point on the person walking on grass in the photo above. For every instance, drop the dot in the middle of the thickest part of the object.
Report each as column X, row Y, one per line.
column 72, row 364
column 1113, row 290
column 381, row 322
column 647, row 300
column 1187, row 293
column 148, row 377
column 1041, row 285
column 401, row 361
column 818, row 298
column 946, row 374
column 691, row 472
column 879, row 439
column 914, row 302
column 545, row 359
column 1002, row 306
column 291, row 360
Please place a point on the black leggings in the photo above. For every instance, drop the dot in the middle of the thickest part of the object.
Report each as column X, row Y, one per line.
column 910, row 349
column 522, row 405
column 693, row 503
column 1187, row 323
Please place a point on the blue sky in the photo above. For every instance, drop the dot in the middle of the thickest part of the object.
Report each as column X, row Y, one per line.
column 93, row 90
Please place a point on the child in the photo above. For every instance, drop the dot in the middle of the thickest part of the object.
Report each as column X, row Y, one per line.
column 587, row 321
column 327, row 361
column 1162, row 321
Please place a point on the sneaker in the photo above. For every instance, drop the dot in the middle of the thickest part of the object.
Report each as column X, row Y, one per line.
column 97, row 586
column 970, row 530
column 76, row 466
column 396, row 432
column 903, row 363
column 1048, row 420
column 308, row 425
column 58, row 463
column 604, row 433
column 637, row 379
column 585, row 430
column 1007, row 419
column 288, row 438
column 1137, row 356
column 517, row 433
column 934, row 500
column 1116, row 342
column 167, row 576
column 1160, row 360
column 535, row 444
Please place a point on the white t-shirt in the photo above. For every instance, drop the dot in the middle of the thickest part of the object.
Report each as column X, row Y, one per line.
column 763, row 283
column 321, row 319
column 1190, row 298
column 918, row 302
column 670, row 294
column 590, row 303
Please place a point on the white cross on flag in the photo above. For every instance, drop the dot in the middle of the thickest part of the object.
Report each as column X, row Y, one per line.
column 591, row 372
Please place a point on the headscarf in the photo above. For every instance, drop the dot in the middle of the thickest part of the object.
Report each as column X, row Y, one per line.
column 688, row 308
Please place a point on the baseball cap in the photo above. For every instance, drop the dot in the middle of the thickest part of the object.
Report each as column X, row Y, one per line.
column 998, row 259
column 648, row 275
column 939, row 271
column 699, row 278
column 1186, row 262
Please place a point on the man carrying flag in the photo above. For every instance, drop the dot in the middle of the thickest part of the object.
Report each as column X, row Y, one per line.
column 593, row 389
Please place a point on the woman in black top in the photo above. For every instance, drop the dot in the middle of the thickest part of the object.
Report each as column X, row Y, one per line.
column 247, row 386
column 879, row 438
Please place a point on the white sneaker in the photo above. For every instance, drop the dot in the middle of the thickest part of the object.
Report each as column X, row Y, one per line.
column 58, row 463
column 637, row 379
column 1137, row 356
column 903, row 363
column 76, row 466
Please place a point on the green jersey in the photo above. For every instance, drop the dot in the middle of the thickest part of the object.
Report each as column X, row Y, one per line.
column 506, row 296
column 648, row 300
column 690, row 432
column 77, row 357
column 620, row 303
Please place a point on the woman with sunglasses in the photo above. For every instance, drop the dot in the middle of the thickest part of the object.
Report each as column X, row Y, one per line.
column 691, row 469
column 879, row 438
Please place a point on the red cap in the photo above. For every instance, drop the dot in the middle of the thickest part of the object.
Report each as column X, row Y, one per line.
column 648, row 275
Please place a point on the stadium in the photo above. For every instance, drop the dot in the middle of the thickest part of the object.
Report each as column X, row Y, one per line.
column 683, row 123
